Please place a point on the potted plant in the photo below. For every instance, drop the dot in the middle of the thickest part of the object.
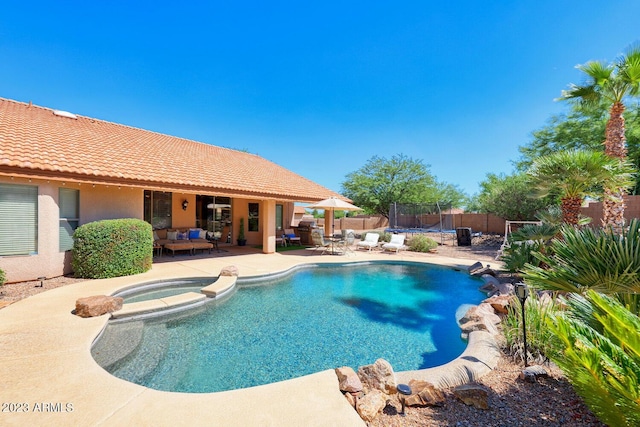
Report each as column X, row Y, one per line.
column 241, row 239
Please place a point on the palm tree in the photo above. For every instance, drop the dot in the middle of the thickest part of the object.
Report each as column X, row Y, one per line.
column 575, row 174
column 612, row 82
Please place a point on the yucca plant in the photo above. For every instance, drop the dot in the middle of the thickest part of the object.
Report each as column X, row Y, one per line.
column 601, row 355
column 592, row 259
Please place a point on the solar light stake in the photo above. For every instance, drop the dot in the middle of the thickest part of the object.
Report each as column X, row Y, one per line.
column 404, row 391
column 42, row 279
column 522, row 292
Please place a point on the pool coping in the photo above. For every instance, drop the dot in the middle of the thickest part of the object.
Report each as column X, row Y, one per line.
column 47, row 368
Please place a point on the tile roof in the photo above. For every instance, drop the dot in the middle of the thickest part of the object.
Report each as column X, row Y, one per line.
column 36, row 142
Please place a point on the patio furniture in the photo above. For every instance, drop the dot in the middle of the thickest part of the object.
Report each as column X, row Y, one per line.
column 282, row 240
column 370, row 241
column 179, row 246
column 291, row 237
column 318, row 240
column 396, row 243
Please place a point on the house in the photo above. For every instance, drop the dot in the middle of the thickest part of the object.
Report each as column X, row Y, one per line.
column 59, row 170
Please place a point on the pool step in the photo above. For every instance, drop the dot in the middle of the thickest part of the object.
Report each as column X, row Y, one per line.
column 161, row 304
column 220, row 286
column 118, row 344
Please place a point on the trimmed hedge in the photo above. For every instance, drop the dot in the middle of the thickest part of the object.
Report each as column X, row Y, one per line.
column 3, row 278
column 112, row 248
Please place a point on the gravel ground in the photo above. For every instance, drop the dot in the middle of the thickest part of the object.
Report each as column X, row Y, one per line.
column 512, row 402
column 549, row 402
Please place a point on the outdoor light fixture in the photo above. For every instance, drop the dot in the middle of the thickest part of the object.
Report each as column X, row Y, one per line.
column 185, row 204
column 42, row 279
column 522, row 292
column 404, row 390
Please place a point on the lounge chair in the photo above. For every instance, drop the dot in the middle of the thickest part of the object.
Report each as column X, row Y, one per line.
column 370, row 241
column 318, row 240
column 290, row 237
column 396, row 243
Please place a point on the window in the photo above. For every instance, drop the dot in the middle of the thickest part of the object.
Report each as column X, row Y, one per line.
column 279, row 216
column 157, row 209
column 254, row 217
column 18, row 219
column 69, row 203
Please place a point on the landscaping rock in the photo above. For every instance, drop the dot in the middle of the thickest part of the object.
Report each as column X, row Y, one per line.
column 351, row 399
column 531, row 373
column 473, row 395
column 499, row 303
column 348, row 379
column 503, row 289
column 482, row 271
column 230, row 270
column 97, row 305
column 475, row 267
column 424, row 393
column 371, row 404
column 379, row 376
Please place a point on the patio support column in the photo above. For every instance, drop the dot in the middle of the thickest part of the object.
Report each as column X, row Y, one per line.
column 269, row 226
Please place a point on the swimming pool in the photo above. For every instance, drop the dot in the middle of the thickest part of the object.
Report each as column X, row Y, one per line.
column 311, row 320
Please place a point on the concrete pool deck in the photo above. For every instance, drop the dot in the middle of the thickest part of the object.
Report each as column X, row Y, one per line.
column 48, row 376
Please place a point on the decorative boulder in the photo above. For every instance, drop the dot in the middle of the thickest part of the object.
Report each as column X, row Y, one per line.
column 348, row 380
column 230, row 270
column 500, row 303
column 97, row 305
column 475, row 267
column 371, row 404
column 503, row 289
column 531, row 373
column 379, row 376
column 473, row 395
column 424, row 393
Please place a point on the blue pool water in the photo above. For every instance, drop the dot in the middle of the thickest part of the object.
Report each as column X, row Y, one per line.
column 314, row 319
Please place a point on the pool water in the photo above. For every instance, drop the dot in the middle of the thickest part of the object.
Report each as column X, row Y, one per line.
column 315, row 319
column 165, row 288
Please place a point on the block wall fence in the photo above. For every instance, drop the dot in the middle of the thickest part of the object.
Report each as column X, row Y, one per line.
column 486, row 223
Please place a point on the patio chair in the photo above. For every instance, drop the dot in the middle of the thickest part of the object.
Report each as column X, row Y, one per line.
column 348, row 239
column 370, row 241
column 291, row 237
column 282, row 240
column 318, row 240
column 396, row 243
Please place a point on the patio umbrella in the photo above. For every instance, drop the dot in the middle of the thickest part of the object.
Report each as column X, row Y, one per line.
column 334, row 204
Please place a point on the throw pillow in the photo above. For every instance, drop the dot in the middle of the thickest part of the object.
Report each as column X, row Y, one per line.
column 182, row 236
column 202, row 234
column 172, row 235
column 155, row 235
column 194, row 233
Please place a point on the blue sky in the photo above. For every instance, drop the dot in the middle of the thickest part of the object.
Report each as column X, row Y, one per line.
column 317, row 88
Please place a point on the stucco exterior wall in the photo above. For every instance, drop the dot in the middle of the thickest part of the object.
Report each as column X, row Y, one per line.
column 96, row 203
column 109, row 202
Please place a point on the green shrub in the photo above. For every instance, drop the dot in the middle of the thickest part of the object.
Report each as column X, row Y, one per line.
column 594, row 259
column 541, row 342
column 112, row 248
column 601, row 356
column 3, row 277
column 518, row 254
column 420, row 243
column 525, row 242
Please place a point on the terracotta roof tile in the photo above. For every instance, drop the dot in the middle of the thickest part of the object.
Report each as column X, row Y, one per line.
column 34, row 140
